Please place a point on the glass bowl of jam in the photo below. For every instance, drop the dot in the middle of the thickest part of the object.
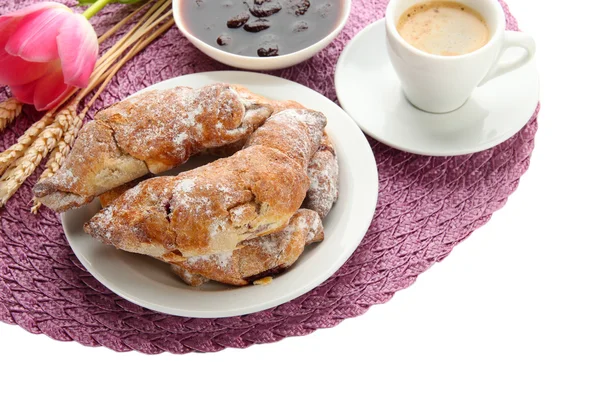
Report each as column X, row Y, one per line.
column 261, row 34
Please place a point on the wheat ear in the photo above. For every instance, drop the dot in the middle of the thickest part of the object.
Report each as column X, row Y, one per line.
column 9, row 110
column 18, row 149
column 14, row 177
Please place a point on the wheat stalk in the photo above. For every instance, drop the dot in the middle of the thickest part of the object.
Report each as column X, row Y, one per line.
column 64, row 146
column 9, row 110
column 14, row 177
column 59, row 154
column 119, row 25
column 130, row 54
column 149, row 21
column 8, row 156
column 129, row 38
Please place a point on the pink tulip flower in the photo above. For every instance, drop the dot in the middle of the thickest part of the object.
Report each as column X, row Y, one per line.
column 45, row 51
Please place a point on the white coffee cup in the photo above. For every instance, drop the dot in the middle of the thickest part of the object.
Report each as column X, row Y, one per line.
column 440, row 84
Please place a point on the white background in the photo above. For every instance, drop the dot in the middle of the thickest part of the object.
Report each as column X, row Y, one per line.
column 513, row 312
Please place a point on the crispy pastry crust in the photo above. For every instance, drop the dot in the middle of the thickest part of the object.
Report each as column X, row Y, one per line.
column 207, row 210
column 150, row 132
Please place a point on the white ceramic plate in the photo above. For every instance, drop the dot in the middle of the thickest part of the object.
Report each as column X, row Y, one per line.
column 149, row 282
column 370, row 92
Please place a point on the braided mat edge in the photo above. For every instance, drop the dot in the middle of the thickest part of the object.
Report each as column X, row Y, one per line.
column 427, row 205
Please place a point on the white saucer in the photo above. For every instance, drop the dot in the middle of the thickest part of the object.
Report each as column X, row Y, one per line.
column 369, row 90
column 150, row 283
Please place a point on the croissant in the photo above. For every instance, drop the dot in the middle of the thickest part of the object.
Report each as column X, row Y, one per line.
column 151, row 132
column 323, row 174
column 259, row 257
column 214, row 208
column 323, row 170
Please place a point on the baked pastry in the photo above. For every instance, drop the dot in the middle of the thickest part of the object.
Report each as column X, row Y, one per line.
column 214, row 208
column 151, row 132
column 323, row 170
column 257, row 258
column 206, row 210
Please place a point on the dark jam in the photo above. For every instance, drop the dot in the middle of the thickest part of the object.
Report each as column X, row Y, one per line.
column 261, row 28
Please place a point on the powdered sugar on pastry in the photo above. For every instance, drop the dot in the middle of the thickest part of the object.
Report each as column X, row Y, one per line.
column 295, row 132
column 258, row 256
column 185, row 185
column 280, row 249
column 323, row 172
column 190, row 213
column 189, row 277
column 221, row 260
column 181, row 138
column 151, row 132
column 165, row 127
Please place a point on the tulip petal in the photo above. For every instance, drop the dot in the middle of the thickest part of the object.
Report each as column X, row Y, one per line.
column 78, row 50
column 34, row 8
column 50, row 90
column 66, row 93
column 9, row 21
column 24, row 93
column 16, row 71
column 34, row 39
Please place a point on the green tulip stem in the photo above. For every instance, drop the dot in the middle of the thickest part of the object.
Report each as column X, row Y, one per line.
column 95, row 8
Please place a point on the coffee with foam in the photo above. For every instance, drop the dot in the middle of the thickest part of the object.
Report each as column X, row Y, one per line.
column 444, row 28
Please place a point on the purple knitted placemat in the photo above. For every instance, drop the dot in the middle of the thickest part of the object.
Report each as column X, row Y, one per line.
column 426, row 206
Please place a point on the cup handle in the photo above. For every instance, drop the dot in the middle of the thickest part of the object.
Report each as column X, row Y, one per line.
column 512, row 39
